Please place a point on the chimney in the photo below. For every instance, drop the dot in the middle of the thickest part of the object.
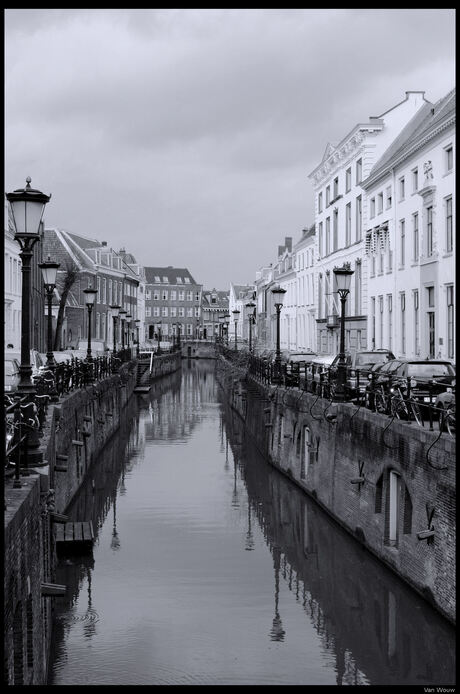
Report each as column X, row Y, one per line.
column 288, row 243
column 280, row 250
column 103, row 243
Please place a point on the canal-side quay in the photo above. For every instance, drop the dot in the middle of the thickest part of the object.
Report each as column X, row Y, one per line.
column 389, row 483
column 76, row 430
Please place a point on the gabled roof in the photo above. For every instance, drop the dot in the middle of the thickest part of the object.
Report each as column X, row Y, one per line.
column 170, row 273
column 423, row 125
column 328, row 151
column 222, row 298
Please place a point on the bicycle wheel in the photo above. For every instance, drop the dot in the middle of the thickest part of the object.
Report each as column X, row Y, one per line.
column 415, row 407
column 380, row 403
column 450, row 420
column 399, row 408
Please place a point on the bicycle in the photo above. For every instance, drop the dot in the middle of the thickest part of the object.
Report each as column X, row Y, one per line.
column 447, row 419
column 402, row 408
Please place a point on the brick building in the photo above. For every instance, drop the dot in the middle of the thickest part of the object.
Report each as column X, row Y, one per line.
column 98, row 266
column 171, row 297
column 215, row 304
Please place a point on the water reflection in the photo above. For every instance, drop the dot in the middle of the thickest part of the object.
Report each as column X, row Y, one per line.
column 380, row 631
column 202, row 549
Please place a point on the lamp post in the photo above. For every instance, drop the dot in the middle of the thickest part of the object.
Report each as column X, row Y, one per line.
column 128, row 326
column 90, row 297
column 221, row 328
column 115, row 311
column 278, row 295
column 178, row 334
column 250, row 313
column 122, row 315
column 236, row 313
column 226, row 325
column 343, row 278
column 137, row 322
column 49, row 272
column 27, row 206
column 159, row 336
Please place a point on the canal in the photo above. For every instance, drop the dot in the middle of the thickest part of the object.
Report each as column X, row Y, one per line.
column 210, row 567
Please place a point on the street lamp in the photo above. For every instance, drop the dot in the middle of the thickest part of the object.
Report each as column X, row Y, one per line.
column 159, row 335
column 250, row 313
column 90, row 298
column 179, row 326
column 27, row 206
column 137, row 322
column 49, row 272
column 226, row 324
column 128, row 326
column 115, row 311
column 122, row 315
column 236, row 313
column 221, row 328
column 278, row 296
column 343, row 279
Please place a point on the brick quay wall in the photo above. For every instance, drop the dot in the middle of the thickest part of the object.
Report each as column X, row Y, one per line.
column 76, row 431
column 383, row 481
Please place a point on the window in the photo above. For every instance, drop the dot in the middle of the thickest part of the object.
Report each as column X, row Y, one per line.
column 348, row 224
column 181, row 312
column 157, row 279
column 156, row 311
column 189, row 296
column 173, row 312
column 381, row 257
column 430, row 296
column 179, row 280
column 381, row 321
column 189, row 312
column 164, row 295
column 197, row 296
column 173, row 295
column 373, row 321
column 328, row 235
column 431, row 322
column 348, row 180
column 164, row 310
column 415, row 236
column 380, row 203
column 320, row 295
column 450, row 321
column 403, row 322
column 358, row 287
column 449, row 236
column 336, row 187
column 335, row 223
column 389, row 197
column 372, row 208
column 148, row 311
column 328, row 195
column 390, row 319
column 181, row 295
column 110, row 292
column 416, row 324
column 156, row 295
column 449, row 158
column 320, row 239
column 402, row 188
column 359, row 171
column 197, row 312
column 187, row 280
column 402, row 232
column 98, row 287
column 165, row 280
column 415, row 180
column 320, row 202
column 359, row 218
column 429, row 231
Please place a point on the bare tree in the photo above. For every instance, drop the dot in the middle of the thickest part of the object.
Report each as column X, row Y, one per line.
column 71, row 274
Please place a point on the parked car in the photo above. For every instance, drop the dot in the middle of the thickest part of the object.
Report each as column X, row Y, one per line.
column 362, row 361
column 36, row 360
column 298, row 361
column 428, row 377
column 11, row 373
column 318, row 367
column 59, row 358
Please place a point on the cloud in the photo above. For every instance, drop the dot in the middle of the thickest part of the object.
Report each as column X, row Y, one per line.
column 201, row 126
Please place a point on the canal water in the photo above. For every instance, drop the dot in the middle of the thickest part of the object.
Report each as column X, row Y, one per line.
column 210, row 567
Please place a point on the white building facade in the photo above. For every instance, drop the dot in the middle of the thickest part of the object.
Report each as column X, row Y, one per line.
column 12, row 285
column 341, row 216
column 305, row 279
column 410, row 239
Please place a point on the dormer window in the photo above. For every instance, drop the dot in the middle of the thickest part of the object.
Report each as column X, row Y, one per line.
column 179, row 280
column 157, row 279
column 187, row 280
column 165, row 280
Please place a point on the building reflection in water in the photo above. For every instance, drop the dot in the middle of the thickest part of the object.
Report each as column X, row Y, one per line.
column 379, row 629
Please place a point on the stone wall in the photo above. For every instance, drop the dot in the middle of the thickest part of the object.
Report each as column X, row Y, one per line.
column 382, row 480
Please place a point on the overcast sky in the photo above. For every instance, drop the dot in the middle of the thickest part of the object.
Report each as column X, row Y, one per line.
column 187, row 136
